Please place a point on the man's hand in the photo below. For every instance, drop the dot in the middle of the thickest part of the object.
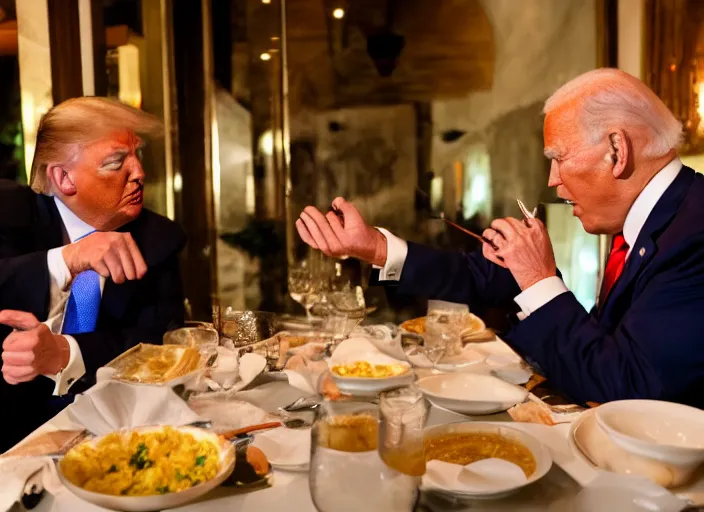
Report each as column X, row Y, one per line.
column 525, row 249
column 32, row 349
column 349, row 237
column 110, row 254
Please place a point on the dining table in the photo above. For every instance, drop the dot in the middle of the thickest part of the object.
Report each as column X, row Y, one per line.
column 290, row 490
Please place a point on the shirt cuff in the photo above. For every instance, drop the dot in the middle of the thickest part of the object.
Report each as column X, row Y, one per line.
column 539, row 294
column 58, row 269
column 75, row 369
column 396, row 252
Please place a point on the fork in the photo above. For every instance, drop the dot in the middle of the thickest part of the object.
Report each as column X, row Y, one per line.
column 528, row 215
column 481, row 238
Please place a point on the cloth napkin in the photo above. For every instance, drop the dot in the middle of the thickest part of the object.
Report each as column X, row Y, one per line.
column 25, row 475
column 112, row 405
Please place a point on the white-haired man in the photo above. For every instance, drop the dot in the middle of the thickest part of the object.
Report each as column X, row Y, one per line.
column 85, row 271
column 612, row 145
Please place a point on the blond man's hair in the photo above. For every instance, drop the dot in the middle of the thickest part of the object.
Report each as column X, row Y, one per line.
column 79, row 121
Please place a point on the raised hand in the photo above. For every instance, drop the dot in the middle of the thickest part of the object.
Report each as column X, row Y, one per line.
column 525, row 249
column 349, row 236
column 110, row 254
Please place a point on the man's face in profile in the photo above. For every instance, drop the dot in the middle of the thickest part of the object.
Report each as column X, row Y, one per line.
column 109, row 181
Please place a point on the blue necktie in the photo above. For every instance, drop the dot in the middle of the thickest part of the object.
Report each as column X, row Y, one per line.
column 83, row 303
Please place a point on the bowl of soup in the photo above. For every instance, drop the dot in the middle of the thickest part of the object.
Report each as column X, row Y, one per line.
column 466, row 443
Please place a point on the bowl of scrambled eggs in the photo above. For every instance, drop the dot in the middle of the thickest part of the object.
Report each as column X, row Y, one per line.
column 151, row 468
column 359, row 368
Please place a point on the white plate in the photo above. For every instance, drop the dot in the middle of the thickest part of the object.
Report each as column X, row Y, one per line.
column 470, row 393
column 287, row 449
column 664, row 431
column 543, row 460
column 161, row 501
column 593, row 446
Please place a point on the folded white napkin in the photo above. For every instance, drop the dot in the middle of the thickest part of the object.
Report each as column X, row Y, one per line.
column 112, row 405
column 19, row 474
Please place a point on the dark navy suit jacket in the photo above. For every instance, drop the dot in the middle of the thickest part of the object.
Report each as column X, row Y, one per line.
column 133, row 312
column 646, row 341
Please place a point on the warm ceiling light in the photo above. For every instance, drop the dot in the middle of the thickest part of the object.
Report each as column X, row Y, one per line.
column 265, row 56
column 266, row 1
column 338, row 13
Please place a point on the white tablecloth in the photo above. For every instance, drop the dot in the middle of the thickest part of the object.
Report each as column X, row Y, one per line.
column 290, row 490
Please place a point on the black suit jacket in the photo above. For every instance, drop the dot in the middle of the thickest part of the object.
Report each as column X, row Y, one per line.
column 130, row 313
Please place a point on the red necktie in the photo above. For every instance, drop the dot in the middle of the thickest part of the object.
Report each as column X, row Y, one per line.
column 615, row 264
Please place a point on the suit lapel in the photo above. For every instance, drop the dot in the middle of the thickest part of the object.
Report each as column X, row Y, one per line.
column 645, row 247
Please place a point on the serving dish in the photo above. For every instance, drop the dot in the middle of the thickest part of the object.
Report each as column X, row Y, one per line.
column 470, row 393
column 665, row 431
column 592, row 445
column 226, row 464
column 540, row 453
column 157, row 365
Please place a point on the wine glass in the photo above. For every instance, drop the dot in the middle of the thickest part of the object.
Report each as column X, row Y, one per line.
column 304, row 287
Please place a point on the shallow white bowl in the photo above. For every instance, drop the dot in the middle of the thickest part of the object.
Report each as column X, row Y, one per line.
column 470, row 393
column 663, row 431
column 161, row 501
column 365, row 386
column 543, row 460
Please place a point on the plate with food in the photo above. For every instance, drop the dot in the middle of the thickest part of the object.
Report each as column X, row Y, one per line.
column 473, row 326
column 150, row 468
column 359, row 368
column 482, row 460
column 157, row 365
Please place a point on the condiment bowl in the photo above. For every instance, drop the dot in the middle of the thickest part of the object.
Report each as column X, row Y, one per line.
column 664, row 431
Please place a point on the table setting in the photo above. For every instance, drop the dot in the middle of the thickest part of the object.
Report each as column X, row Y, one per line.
column 431, row 414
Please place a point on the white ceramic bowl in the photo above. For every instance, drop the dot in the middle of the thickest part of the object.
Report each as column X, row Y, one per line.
column 365, row 386
column 663, row 431
column 543, row 460
column 470, row 393
column 161, row 501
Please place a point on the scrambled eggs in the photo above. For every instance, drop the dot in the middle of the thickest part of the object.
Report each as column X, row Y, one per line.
column 368, row 370
column 142, row 464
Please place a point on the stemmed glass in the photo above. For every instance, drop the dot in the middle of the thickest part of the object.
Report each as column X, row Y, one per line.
column 304, row 286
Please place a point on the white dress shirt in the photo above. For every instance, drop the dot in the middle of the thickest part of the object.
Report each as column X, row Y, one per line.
column 59, row 293
column 547, row 289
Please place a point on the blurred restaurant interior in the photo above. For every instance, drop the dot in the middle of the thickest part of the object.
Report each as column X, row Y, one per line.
column 407, row 108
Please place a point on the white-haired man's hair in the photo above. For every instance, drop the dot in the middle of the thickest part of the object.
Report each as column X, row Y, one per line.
column 608, row 99
column 79, row 121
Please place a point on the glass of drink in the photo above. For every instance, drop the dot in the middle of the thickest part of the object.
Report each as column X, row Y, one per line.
column 347, row 473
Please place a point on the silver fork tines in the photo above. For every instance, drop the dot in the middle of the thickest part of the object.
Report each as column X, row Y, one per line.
column 525, row 212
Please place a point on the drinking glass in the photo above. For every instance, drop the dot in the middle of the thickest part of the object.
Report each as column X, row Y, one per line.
column 347, row 473
column 403, row 414
column 203, row 338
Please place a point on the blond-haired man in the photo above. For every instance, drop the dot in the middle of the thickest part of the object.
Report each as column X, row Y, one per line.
column 85, row 271
column 612, row 147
